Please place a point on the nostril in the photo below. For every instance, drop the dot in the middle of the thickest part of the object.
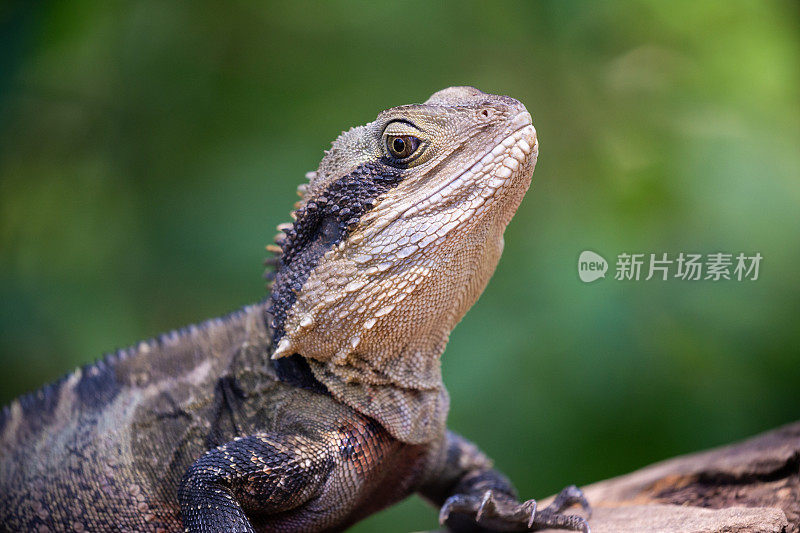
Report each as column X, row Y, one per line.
column 521, row 120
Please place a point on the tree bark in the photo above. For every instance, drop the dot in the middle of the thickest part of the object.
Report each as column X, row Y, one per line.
column 751, row 486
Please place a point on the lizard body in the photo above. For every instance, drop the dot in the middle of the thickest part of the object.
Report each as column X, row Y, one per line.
column 324, row 403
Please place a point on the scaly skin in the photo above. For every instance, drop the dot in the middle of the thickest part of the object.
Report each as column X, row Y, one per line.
column 325, row 403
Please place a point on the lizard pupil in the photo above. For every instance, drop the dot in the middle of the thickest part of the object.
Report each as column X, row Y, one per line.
column 402, row 146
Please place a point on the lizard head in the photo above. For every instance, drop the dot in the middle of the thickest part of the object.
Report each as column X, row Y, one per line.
column 397, row 234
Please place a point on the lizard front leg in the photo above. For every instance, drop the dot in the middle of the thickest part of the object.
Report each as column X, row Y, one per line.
column 258, row 475
column 474, row 497
column 311, row 476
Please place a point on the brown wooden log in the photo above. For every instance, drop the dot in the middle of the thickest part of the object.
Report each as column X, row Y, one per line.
column 750, row 486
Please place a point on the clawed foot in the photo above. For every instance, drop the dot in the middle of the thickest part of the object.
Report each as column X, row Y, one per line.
column 498, row 512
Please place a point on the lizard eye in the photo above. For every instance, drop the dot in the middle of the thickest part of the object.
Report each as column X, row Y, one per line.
column 401, row 146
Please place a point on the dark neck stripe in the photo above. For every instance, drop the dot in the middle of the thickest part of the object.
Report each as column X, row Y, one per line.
column 321, row 224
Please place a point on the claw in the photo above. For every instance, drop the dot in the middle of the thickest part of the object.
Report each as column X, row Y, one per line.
column 569, row 497
column 532, row 504
column 457, row 503
column 487, row 504
column 577, row 496
column 444, row 512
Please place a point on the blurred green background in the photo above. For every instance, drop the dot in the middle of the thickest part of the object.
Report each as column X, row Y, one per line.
column 148, row 149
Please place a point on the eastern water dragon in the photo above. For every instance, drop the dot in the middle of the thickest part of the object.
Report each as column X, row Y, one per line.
column 324, row 403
